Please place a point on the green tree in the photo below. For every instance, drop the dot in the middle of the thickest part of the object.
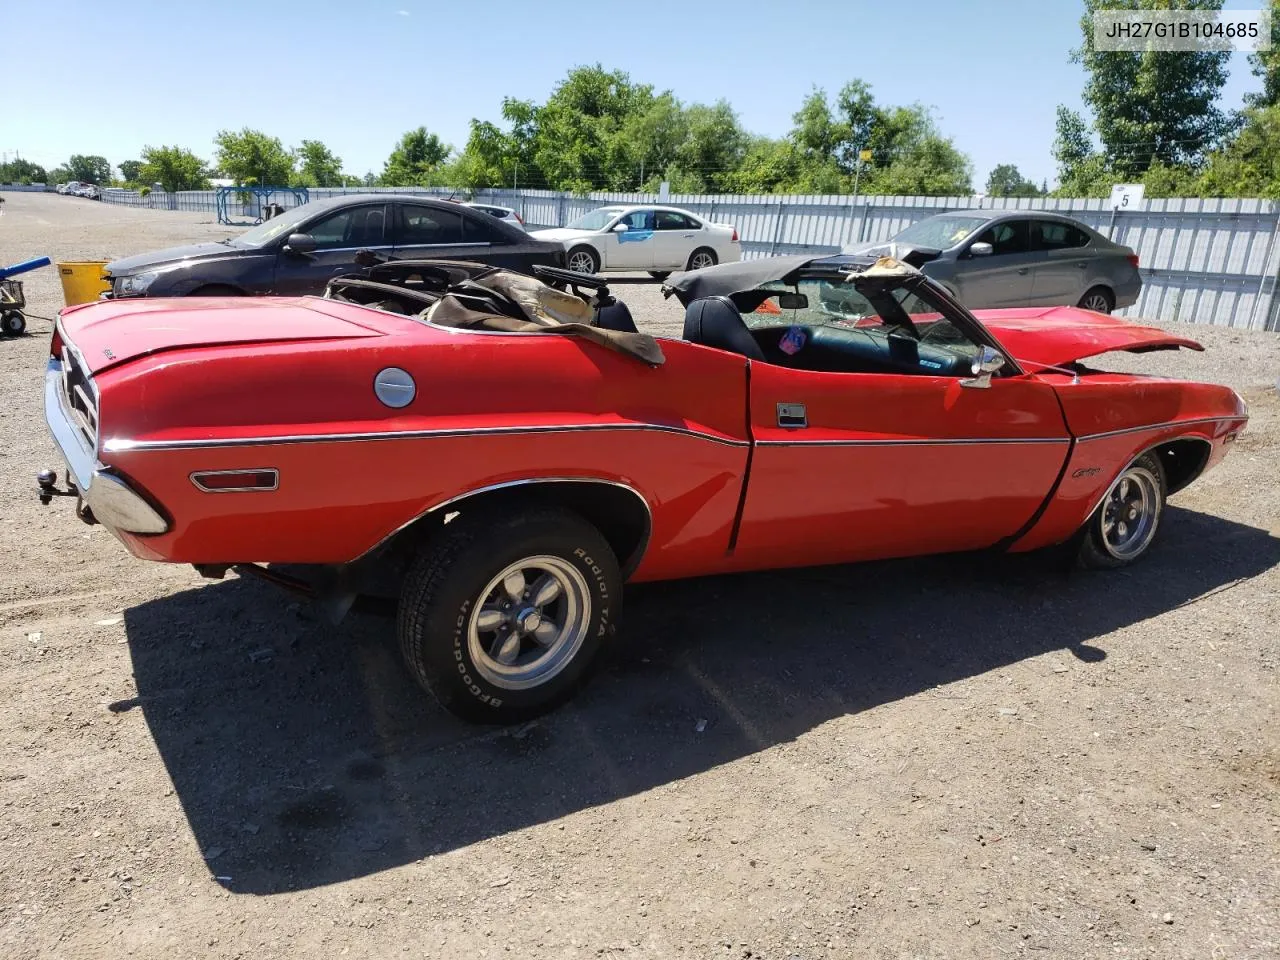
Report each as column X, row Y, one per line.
column 251, row 158
column 815, row 130
column 89, row 169
column 22, row 171
column 1170, row 180
column 416, row 160
column 174, row 168
column 129, row 170
column 1266, row 64
column 317, row 166
column 1249, row 164
column 578, row 143
column 1006, row 181
column 1082, row 170
column 1150, row 106
column 713, row 145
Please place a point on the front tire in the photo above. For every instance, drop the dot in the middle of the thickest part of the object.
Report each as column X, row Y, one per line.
column 504, row 614
column 1098, row 299
column 702, row 258
column 1123, row 527
column 583, row 260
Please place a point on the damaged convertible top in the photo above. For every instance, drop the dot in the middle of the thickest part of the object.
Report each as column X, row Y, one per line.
column 477, row 296
column 727, row 279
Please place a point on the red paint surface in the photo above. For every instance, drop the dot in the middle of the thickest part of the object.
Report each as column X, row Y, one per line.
column 889, row 466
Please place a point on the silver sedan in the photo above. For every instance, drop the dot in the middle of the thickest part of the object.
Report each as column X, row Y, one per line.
column 1019, row 258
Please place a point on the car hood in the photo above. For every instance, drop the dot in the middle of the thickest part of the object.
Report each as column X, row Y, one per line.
column 1052, row 336
column 110, row 332
column 560, row 233
column 127, row 266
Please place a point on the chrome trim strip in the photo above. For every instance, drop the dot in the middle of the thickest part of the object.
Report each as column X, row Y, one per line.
column 72, row 442
column 121, row 445
column 490, row 488
column 913, row 442
column 1157, row 426
column 275, row 480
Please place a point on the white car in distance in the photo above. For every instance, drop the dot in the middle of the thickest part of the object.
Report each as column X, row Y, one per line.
column 502, row 213
column 658, row 239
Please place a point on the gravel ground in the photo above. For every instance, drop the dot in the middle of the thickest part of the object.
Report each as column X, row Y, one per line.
column 927, row 759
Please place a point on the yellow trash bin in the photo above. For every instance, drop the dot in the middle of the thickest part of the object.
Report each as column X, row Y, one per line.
column 82, row 280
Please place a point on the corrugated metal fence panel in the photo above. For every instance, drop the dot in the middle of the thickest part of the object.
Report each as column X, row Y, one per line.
column 1202, row 261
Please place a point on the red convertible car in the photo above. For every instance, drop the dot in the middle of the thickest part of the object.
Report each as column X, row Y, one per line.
column 501, row 453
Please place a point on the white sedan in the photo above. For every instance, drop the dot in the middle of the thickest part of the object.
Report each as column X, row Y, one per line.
column 656, row 239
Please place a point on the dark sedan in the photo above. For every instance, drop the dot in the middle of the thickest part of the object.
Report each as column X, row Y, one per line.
column 299, row 251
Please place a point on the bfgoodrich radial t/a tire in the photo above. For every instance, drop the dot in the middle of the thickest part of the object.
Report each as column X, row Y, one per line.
column 1123, row 527
column 504, row 613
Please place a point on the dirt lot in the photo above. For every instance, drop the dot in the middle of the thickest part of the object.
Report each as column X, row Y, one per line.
column 923, row 759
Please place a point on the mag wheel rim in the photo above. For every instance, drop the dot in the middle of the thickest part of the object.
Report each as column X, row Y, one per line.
column 703, row 260
column 582, row 262
column 1130, row 513
column 529, row 622
column 1097, row 303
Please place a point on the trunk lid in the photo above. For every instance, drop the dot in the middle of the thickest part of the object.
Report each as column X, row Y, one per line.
column 1054, row 336
column 111, row 332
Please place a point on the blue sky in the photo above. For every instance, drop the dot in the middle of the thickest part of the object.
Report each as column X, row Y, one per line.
column 109, row 78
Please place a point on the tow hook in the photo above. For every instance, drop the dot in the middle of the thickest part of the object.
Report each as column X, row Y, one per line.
column 47, row 481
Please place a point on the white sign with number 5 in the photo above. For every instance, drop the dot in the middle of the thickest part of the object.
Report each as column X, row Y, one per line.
column 1127, row 196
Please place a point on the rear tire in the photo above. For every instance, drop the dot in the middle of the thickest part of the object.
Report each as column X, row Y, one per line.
column 1123, row 527
column 702, row 258
column 583, row 260
column 13, row 323
column 1099, row 299
column 504, row 613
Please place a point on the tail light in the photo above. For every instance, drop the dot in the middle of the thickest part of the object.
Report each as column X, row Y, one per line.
column 519, row 219
column 1133, row 259
column 55, row 344
column 734, row 238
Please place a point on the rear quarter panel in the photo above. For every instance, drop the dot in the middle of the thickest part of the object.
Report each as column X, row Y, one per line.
column 490, row 408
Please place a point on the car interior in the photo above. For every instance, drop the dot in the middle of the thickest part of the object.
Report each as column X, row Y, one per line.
column 881, row 338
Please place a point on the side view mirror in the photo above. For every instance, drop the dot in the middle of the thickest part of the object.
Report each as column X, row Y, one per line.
column 300, row 243
column 620, row 228
column 981, row 250
column 988, row 361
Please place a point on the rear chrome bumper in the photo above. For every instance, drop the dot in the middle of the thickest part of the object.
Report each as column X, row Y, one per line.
column 113, row 502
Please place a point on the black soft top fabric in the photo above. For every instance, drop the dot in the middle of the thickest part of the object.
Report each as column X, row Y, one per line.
column 729, row 278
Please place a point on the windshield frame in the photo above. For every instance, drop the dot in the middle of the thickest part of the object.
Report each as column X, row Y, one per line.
column 279, row 228
column 918, row 284
column 979, row 223
column 614, row 214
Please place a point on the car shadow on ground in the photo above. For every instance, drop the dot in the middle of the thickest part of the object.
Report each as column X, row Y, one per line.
column 303, row 755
